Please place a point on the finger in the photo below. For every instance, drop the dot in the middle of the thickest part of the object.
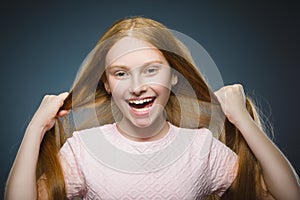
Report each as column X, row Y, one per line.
column 220, row 94
column 61, row 98
column 217, row 94
column 63, row 95
column 62, row 113
column 242, row 92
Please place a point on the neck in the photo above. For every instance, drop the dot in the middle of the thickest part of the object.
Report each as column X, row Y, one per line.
column 157, row 130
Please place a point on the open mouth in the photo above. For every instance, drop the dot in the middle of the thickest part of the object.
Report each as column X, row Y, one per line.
column 141, row 104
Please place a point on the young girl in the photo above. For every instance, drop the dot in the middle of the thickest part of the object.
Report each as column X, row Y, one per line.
column 142, row 121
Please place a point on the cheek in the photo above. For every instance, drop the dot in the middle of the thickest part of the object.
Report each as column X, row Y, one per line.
column 160, row 82
column 163, row 92
column 117, row 86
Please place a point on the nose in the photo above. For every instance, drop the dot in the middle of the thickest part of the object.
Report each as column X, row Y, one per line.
column 138, row 86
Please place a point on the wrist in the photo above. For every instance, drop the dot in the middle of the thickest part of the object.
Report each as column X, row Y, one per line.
column 242, row 118
column 245, row 122
column 36, row 130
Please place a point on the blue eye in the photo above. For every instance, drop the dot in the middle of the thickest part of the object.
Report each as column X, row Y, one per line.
column 151, row 70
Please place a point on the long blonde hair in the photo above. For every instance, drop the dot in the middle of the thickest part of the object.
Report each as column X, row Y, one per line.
column 247, row 184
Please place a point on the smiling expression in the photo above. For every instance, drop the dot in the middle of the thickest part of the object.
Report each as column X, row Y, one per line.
column 139, row 79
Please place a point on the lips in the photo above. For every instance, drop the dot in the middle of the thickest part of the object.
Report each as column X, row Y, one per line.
column 141, row 105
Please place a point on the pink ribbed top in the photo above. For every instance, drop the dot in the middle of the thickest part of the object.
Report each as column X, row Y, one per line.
column 100, row 163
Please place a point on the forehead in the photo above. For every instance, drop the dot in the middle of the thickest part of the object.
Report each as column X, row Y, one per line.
column 132, row 51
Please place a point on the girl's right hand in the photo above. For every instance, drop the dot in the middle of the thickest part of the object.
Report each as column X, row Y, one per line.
column 48, row 111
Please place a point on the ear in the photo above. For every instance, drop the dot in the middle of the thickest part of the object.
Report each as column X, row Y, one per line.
column 174, row 79
column 107, row 88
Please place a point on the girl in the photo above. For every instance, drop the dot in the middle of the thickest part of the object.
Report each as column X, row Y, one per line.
column 154, row 116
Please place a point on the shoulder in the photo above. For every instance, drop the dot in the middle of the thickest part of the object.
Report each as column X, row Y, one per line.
column 77, row 142
column 94, row 130
column 204, row 141
column 199, row 140
column 198, row 131
column 201, row 134
column 91, row 132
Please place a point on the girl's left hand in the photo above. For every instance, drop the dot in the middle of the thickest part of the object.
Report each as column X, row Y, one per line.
column 233, row 102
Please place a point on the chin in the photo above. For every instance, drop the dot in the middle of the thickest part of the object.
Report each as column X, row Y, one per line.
column 142, row 123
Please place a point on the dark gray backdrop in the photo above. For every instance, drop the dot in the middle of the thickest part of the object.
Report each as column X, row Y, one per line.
column 43, row 44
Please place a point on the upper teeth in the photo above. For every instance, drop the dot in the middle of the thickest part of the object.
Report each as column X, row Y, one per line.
column 141, row 101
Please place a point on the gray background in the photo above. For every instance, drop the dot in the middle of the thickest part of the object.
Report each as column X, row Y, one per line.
column 43, row 44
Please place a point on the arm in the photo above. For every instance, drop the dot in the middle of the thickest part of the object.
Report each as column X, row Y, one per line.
column 21, row 183
column 278, row 174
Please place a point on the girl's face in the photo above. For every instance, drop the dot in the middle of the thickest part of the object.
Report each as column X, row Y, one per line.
column 139, row 79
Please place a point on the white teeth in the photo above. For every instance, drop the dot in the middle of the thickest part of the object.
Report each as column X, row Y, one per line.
column 141, row 101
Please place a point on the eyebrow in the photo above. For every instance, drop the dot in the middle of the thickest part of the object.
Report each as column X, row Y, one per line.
column 145, row 64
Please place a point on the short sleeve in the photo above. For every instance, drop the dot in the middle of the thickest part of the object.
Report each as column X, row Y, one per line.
column 69, row 156
column 223, row 165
